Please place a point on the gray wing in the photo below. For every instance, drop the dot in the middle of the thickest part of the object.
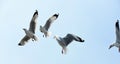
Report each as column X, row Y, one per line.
column 70, row 37
column 50, row 21
column 117, row 31
column 33, row 22
column 24, row 39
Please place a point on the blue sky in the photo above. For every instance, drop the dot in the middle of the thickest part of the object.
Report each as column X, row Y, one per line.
column 93, row 20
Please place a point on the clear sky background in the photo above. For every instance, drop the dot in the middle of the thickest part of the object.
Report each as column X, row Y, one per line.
column 92, row 20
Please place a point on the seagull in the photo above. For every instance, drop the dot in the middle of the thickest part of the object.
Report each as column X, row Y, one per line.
column 117, row 43
column 30, row 33
column 65, row 41
column 45, row 28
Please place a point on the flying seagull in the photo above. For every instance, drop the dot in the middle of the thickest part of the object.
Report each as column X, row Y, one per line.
column 117, row 43
column 45, row 28
column 65, row 41
column 30, row 33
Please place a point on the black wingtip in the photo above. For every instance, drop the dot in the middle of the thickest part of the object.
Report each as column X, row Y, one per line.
column 19, row 44
column 117, row 24
column 36, row 12
column 82, row 40
column 56, row 15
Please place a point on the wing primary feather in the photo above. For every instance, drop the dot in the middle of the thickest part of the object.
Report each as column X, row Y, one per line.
column 24, row 39
column 33, row 22
column 117, row 24
column 50, row 21
column 70, row 37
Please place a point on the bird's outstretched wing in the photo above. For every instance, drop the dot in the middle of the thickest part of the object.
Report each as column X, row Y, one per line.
column 70, row 37
column 33, row 22
column 24, row 40
column 117, row 31
column 76, row 38
column 50, row 21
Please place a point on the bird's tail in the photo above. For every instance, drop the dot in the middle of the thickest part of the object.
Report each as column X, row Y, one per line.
column 64, row 50
column 49, row 34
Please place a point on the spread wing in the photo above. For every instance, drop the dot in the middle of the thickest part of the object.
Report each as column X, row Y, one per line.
column 50, row 21
column 24, row 40
column 117, row 31
column 33, row 22
column 70, row 37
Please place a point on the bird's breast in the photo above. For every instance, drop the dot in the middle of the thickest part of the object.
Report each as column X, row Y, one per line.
column 30, row 34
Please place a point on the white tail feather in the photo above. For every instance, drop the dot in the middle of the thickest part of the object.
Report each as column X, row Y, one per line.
column 49, row 34
column 64, row 50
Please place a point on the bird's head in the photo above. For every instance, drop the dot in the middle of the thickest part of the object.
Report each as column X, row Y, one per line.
column 111, row 46
column 24, row 29
column 41, row 28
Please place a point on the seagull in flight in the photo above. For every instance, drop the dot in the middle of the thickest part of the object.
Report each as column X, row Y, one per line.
column 117, row 43
column 44, row 29
column 65, row 41
column 30, row 33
